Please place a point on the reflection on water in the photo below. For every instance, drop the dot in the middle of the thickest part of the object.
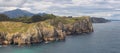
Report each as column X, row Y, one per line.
column 105, row 39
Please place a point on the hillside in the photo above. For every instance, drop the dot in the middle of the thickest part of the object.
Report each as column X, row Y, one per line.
column 45, row 31
column 16, row 13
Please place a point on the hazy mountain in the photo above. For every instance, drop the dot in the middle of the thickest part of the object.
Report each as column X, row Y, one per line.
column 17, row 13
column 99, row 20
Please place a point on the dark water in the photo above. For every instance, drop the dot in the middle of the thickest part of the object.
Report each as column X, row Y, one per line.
column 105, row 39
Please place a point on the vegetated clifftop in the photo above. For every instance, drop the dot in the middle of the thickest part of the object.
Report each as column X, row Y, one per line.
column 18, row 33
column 99, row 20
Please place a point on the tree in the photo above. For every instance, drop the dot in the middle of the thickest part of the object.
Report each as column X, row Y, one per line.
column 4, row 17
column 48, row 16
column 24, row 19
column 36, row 18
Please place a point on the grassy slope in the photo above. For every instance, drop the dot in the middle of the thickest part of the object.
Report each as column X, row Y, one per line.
column 13, row 27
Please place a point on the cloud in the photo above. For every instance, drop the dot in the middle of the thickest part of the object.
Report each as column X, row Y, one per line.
column 99, row 8
column 11, row 3
column 7, row 9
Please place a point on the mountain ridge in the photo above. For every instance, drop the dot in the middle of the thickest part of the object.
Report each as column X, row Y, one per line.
column 17, row 13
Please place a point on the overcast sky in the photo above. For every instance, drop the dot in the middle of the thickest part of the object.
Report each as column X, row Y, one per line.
column 98, row 8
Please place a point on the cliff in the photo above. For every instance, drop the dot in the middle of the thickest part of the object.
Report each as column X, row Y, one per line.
column 18, row 33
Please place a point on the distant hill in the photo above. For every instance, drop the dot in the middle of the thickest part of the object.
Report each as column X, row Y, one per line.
column 17, row 13
column 114, row 20
column 99, row 20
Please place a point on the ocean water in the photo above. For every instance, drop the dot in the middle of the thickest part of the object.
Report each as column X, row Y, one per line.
column 104, row 39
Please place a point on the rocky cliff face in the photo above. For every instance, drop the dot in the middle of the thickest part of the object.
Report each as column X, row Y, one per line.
column 83, row 26
column 42, row 32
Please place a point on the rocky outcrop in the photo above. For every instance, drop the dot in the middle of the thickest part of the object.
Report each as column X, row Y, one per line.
column 83, row 26
column 45, row 32
column 39, row 33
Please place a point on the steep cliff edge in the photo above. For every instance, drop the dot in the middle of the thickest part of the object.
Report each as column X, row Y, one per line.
column 46, row 31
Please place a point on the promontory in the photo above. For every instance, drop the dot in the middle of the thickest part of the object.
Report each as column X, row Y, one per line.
column 46, row 30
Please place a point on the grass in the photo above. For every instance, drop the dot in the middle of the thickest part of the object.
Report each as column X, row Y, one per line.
column 13, row 27
column 67, row 20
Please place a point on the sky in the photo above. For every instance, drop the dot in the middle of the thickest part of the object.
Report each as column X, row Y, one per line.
column 98, row 8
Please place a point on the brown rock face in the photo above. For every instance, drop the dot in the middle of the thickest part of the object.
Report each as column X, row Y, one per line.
column 44, row 32
column 39, row 33
column 83, row 26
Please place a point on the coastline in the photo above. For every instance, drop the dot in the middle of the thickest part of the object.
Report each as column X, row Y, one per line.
column 45, row 31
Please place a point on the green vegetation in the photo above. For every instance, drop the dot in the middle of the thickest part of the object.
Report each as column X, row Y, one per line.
column 25, row 19
column 66, row 20
column 3, row 17
column 44, row 17
column 21, row 24
column 14, row 27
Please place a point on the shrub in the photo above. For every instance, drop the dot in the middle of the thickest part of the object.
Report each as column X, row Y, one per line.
column 4, row 17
